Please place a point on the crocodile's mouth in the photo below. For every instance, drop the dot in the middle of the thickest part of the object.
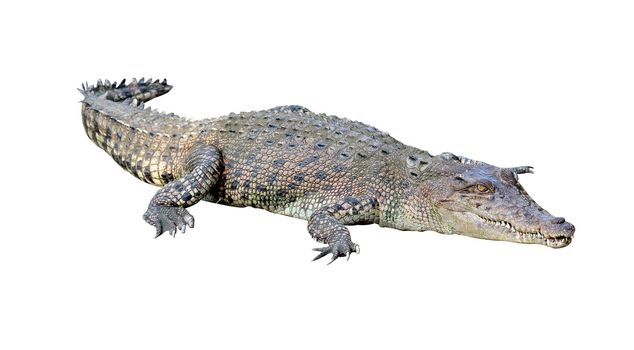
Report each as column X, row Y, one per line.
column 534, row 236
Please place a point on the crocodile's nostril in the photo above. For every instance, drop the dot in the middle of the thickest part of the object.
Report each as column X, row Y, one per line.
column 557, row 221
column 569, row 229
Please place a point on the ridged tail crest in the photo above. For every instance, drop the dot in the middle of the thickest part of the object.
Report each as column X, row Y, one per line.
column 141, row 90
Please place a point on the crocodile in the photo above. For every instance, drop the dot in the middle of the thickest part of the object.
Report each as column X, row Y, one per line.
column 330, row 171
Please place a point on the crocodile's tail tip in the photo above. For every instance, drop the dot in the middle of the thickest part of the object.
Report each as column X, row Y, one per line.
column 142, row 90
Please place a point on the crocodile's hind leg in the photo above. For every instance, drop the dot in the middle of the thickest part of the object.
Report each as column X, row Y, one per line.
column 166, row 211
column 327, row 225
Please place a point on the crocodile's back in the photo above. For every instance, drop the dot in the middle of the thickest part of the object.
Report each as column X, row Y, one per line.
column 287, row 158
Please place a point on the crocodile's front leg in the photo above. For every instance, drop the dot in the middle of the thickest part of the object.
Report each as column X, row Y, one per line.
column 166, row 211
column 327, row 225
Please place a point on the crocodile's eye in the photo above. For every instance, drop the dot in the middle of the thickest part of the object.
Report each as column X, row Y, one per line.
column 482, row 188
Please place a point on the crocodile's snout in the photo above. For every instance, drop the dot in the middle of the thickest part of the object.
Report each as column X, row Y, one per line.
column 558, row 227
column 557, row 220
column 557, row 232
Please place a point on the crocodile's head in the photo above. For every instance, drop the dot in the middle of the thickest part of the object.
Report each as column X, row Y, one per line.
column 483, row 201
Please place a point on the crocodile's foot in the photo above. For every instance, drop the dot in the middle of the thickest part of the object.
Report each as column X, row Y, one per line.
column 168, row 219
column 337, row 249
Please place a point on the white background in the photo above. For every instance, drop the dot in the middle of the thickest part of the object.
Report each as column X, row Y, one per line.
column 541, row 83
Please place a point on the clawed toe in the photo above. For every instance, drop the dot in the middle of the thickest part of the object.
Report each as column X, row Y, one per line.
column 168, row 219
column 337, row 250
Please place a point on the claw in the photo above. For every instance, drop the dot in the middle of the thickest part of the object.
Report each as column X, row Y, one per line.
column 347, row 256
column 324, row 251
column 189, row 220
column 357, row 249
column 334, row 257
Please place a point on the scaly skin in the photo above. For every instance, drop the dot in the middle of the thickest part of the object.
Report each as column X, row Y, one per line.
column 330, row 171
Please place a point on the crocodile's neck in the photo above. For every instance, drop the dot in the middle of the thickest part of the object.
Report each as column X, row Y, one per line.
column 405, row 205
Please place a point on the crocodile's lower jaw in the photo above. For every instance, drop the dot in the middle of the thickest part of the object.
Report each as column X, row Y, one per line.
column 507, row 229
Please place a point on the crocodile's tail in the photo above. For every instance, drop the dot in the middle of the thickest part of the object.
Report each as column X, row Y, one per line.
column 141, row 140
